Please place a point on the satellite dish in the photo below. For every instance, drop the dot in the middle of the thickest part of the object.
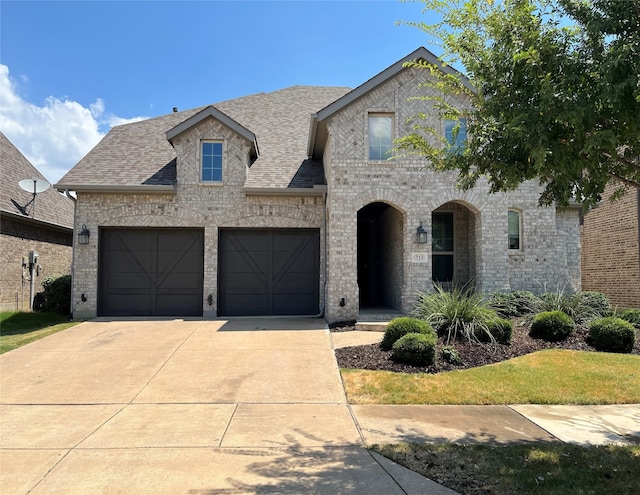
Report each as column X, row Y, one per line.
column 34, row 186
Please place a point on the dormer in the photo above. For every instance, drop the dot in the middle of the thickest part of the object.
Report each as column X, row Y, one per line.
column 212, row 148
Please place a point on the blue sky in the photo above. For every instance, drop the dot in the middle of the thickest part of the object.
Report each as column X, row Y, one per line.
column 71, row 70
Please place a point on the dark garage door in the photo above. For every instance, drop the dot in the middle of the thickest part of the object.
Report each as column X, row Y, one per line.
column 151, row 272
column 269, row 272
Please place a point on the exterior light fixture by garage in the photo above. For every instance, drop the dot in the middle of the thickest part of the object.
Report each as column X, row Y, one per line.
column 421, row 234
column 83, row 235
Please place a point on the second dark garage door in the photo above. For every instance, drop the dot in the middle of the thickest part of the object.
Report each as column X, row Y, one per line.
column 151, row 272
column 269, row 272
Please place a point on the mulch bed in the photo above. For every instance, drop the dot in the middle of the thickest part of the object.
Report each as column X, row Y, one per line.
column 371, row 357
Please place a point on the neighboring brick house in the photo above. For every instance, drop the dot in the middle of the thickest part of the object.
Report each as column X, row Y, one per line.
column 611, row 249
column 284, row 203
column 47, row 230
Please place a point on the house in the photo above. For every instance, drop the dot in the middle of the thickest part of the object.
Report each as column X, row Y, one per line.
column 35, row 234
column 611, row 248
column 285, row 203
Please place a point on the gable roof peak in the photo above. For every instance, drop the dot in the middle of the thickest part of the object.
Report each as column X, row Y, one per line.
column 390, row 72
column 212, row 112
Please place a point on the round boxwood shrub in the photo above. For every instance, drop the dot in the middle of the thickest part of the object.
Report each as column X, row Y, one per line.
column 611, row 334
column 500, row 329
column 418, row 349
column 399, row 327
column 552, row 326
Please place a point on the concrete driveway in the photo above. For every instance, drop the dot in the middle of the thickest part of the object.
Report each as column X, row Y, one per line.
column 185, row 407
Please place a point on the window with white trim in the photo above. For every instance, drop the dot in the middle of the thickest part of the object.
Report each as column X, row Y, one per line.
column 380, row 136
column 211, row 161
column 514, row 230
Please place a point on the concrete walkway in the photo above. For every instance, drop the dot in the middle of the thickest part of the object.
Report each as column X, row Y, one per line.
column 228, row 407
column 583, row 425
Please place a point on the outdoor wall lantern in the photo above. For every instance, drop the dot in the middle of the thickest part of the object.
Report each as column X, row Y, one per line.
column 83, row 235
column 421, row 234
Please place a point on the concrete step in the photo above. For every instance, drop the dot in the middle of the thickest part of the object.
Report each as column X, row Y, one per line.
column 371, row 326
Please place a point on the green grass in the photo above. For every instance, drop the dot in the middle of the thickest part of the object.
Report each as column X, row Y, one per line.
column 524, row 469
column 544, row 377
column 18, row 328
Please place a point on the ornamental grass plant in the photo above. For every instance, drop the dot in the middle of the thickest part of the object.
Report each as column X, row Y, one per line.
column 459, row 313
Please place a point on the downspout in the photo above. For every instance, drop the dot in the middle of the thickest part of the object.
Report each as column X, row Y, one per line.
column 73, row 250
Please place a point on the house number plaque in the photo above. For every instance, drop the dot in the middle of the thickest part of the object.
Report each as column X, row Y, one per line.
column 419, row 258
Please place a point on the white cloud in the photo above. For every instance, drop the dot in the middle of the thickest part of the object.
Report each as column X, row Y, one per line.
column 55, row 136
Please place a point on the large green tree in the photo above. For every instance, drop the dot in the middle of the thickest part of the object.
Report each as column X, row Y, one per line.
column 554, row 90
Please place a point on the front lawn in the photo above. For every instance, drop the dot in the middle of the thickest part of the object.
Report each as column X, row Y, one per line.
column 21, row 328
column 544, row 377
column 523, row 469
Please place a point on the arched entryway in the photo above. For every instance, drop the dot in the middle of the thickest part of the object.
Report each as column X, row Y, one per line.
column 380, row 255
column 454, row 234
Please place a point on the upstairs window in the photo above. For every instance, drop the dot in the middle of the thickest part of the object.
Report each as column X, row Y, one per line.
column 455, row 132
column 211, row 161
column 514, row 229
column 380, row 136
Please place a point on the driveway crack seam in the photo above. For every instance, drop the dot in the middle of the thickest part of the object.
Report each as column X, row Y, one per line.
column 533, row 422
column 164, row 364
column 226, row 429
column 386, row 471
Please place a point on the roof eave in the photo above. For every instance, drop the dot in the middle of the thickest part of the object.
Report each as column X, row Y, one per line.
column 313, row 130
column 113, row 189
column 573, row 204
column 23, row 218
column 317, row 190
column 385, row 75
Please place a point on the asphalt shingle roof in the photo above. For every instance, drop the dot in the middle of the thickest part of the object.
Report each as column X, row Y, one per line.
column 50, row 206
column 139, row 153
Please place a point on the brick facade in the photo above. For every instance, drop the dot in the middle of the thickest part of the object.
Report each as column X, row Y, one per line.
column 17, row 239
column 611, row 250
column 550, row 253
column 402, row 191
column 194, row 205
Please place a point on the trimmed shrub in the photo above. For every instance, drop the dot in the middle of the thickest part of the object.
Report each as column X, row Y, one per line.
column 552, row 326
column 399, row 327
column 611, row 334
column 500, row 330
column 418, row 349
column 630, row 315
column 55, row 296
column 450, row 355
column 459, row 313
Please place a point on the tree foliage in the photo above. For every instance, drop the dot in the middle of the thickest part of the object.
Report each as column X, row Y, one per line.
column 554, row 87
